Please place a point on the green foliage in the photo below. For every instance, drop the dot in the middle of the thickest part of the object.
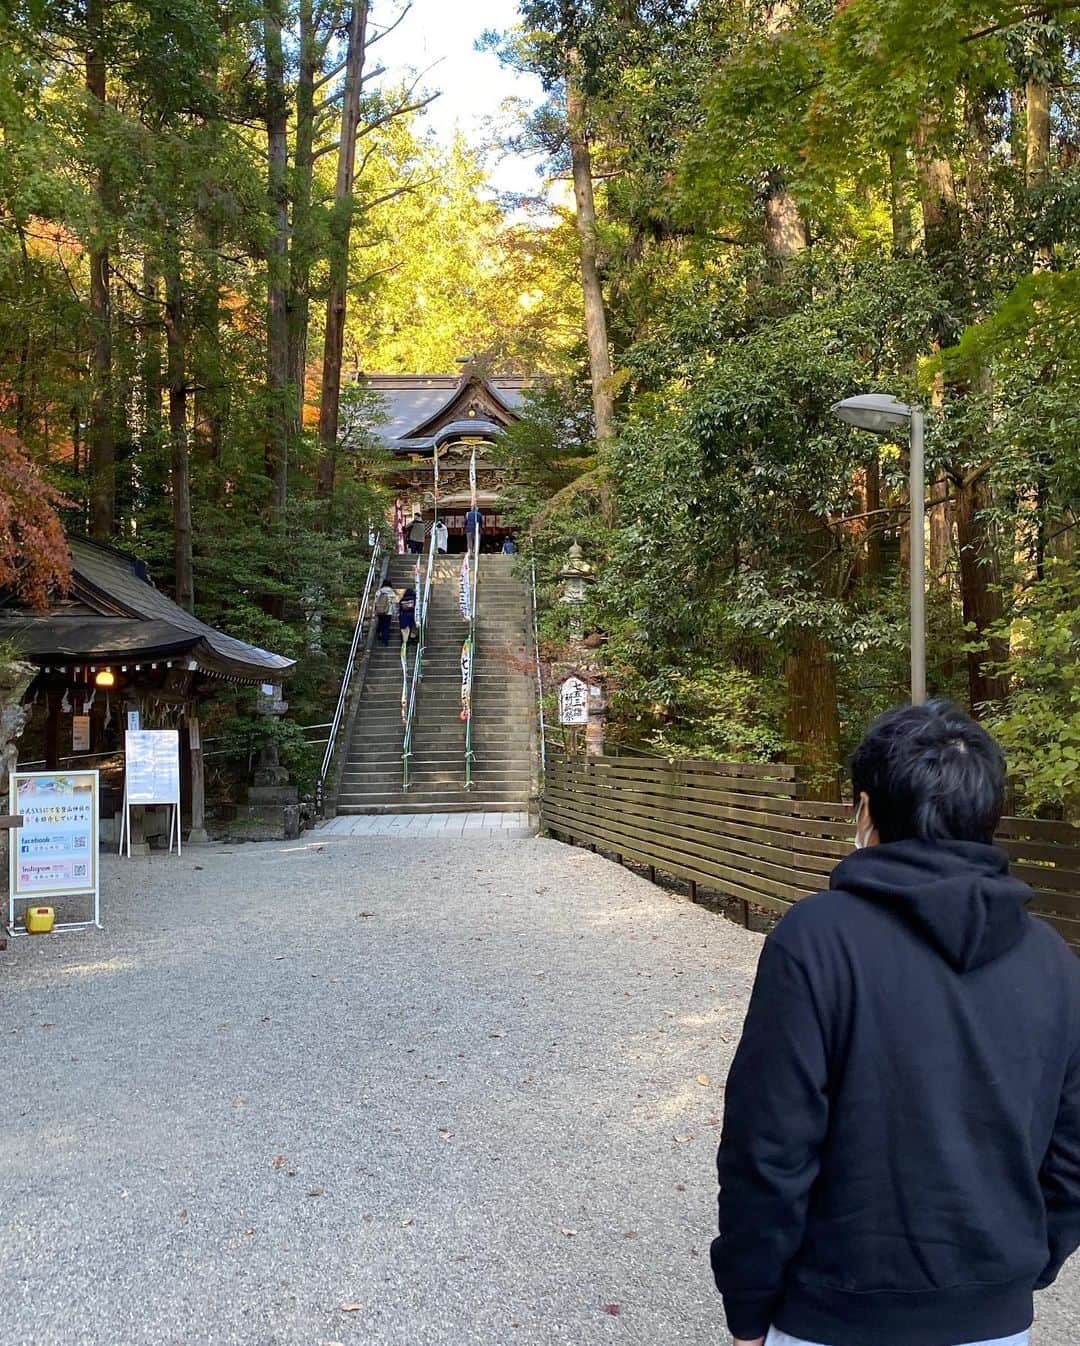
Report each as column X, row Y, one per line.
column 1039, row 725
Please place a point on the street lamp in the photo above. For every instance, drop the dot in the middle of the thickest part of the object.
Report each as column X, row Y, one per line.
column 879, row 413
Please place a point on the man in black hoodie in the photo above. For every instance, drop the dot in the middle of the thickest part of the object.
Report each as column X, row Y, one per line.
column 900, row 1162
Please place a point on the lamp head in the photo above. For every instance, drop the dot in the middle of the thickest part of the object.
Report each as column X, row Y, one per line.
column 877, row 412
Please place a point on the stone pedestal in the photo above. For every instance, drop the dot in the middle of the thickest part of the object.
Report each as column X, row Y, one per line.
column 271, row 799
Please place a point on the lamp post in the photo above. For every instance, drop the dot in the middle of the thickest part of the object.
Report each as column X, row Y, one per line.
column 879, row 413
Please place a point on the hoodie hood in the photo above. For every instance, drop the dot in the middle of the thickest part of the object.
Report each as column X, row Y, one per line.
column 958, row 895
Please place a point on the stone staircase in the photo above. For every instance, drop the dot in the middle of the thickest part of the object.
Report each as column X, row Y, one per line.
column 504, row 705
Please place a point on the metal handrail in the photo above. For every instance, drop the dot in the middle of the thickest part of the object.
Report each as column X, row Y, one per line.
column 346, row 679
column 418, row 662
column 467, row 691
column 539, row 674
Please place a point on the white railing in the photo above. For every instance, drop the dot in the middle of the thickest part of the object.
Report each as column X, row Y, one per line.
column 422, row 602
column 467, row 688
column 346, row 679
column 539, row 674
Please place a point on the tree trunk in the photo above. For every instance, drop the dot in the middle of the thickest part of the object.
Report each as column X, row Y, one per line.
column 813, row 721
column 940, row 530
column 150, row 365
column 873, row 523
column 785, row 229
column 937, row 191
column 100, row 433
column 899, row 204
column 208, row 361
column 208, row 365
column 813, row 717
column 592, row 293
column 183, row 571
column 340, row 228
column 300, row 242
column 277, row 262
column 1037, row 155
column 980, row 581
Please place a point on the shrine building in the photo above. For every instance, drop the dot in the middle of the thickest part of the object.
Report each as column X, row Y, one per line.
column 447, row 417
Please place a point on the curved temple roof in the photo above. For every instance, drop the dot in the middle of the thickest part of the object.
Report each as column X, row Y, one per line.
column 117, row 614
column 423, row 410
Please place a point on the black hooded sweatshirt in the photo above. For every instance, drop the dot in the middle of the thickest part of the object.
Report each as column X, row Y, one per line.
column 900, row 1162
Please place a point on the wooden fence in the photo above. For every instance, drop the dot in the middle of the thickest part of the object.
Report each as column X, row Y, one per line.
column 745, row 830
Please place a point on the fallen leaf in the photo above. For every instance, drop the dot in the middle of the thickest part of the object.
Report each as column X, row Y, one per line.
column 630, row 1234
column 613, row 1309
column 279, row 1162
column 680, row 1187
column 405, row 1223
column 352, row 1306
column 681, row 1140
column 316, row 1191
column 569, row 1233
column 704, row 1081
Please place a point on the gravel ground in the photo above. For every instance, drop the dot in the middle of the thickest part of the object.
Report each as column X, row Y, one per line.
column 443, row 1093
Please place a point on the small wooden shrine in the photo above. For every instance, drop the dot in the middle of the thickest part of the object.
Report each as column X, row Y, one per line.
column 117, row 645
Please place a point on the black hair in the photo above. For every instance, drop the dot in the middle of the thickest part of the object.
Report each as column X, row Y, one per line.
column 930, row 772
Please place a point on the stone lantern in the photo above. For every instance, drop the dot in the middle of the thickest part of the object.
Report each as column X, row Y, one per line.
column 576, row 575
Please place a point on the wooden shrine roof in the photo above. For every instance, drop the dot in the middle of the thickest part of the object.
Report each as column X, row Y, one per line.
column 115, row 614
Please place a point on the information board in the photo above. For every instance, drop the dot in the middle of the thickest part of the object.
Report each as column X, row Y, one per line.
column 152, row 766
column 573, row 702
column 151, row 776
column 55, row 851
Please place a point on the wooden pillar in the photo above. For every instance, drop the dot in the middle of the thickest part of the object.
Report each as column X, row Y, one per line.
column 197, row 836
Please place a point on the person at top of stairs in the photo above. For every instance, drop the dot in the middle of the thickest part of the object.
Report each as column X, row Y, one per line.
column 416, row 535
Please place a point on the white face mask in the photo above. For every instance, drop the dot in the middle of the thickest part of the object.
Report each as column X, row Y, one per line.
column 860, row 840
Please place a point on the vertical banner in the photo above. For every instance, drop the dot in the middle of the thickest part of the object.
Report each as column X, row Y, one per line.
column 435, row 466
column 472, row 479
column 464, row 589
column 399, row 527
column 404, row 678
column 466, row 679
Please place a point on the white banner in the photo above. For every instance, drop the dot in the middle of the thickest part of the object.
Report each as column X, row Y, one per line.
column 465, row 589
column 573, row 702
column 472, row 479
column 466, row 679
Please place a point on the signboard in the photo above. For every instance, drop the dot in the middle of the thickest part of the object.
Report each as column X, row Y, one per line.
column 55, row 851
column 573, row 702
column 151, row 776
column 134, row 721
column 80, row 733
column 152, row 766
